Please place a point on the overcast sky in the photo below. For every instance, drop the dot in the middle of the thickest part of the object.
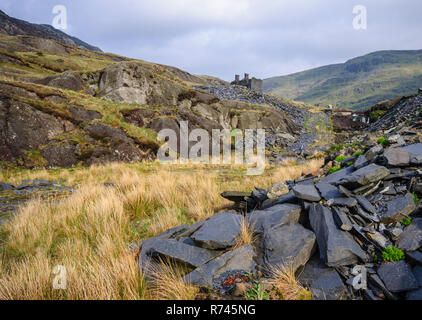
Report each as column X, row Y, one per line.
column 223, row 37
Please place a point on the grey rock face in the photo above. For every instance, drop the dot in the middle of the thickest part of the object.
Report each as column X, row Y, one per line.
column 239, row 259
column 415, row 257
column 366, row 204
column 219, row 232
column 277, row 190
column 341, row 220
column 366, row 175
column 307, row 192
column 180, row 252
column 373, row 152
column 361, row 162
column 335, row 177
column 288, row 245
column 273, row 217
column 337, row 248
column 417, row 272
column 414, row 295
column 397, row 276
column 415, row 152
column 323, row 282
column 397, row 157
column 328, row 191
column 411, row 238
column 345, row 202
column 290, row 197
column 6, row 186
column 398, row 209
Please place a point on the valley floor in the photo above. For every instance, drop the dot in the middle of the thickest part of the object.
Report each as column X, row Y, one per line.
column 112, row 207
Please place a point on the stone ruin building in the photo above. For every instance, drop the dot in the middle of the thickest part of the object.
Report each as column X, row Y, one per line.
column 253, row 84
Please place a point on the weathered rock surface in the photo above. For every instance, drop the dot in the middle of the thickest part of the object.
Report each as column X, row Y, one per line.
column 273, row 217
column 366, row 175
column 277, row 190
column 397, row 157
column 328, row 191
column 324, row 283
column 219, row 232
column 337, row 248
column 290, row 245
column 411, row 238
column 397, row 276
column 180, row 252
column 398, row 209
column 307, row 192
column 239, row 259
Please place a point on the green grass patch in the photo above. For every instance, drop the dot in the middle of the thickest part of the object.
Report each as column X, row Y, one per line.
column 392, row 254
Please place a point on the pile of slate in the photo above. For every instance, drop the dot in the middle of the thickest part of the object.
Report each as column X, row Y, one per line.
column 332, row 230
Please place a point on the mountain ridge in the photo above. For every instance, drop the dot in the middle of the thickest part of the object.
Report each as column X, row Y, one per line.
column 14, row 27
column 358, row 83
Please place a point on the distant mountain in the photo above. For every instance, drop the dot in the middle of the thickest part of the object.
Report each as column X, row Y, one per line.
column 357, row 84
column 14, row 27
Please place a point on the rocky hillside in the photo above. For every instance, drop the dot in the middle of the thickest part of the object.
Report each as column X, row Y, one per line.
column 353, row 233
column 357, row 84
column 62, row 105
column 14, row 27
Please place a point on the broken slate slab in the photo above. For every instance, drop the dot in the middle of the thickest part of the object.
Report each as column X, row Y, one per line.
column 323, row 282
column 328, row 191
column 417, row 272
column 239, row 259
column 397, row 276
column 183, row 253
column 277, row 190
column 411, row 237
column 337, row 247
column 345, row 202
column 397, row 157
column 361, row 162
column 415, row 257
column 414, row 295
column 341, row 220
column 398, row 209
column 287, row 198
column 274, row 216
column 219, row 232
column 307, row 193
column 366, row 175
column 6, row 186
column 415, row 152
column 366, row 204
column 335, row 177
column 291, row 245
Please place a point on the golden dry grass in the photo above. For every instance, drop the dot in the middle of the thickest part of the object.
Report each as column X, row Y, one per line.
column 90, row 231
column 246, row 235
column 283, row 278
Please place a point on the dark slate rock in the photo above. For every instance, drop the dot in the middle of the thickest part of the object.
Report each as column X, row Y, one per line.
column 345, row 192
column 180, row 252
column 307, row 192
column 341, row 220
column 235, row 196
column 288, row 198
column 328, row 191
column 288, row 245
column 397, row 157
column 398, row 209
column 397, row 276
column 345, row 202
column 260, row 194
column 323, row 282
column 361, row 162
column 417, row 272
column 273, row 217
column 366, row 175
column 6, row 186
column 337, row 247
column 187, row 241
column 366, row 204
column 335, row 177
column 219, row 232
column 239, row 259
column 411, row 238
column 415, row 257
column 189, row 230
column 414, row 295
column 373, row 152
column 415, row 152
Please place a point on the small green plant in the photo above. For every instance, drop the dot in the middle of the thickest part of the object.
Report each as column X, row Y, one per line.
column 257, row 292
column 350, row 163
column 358, row 154
column 375, row 258
column 415, row 198
column 340, row 158
column 407, row 222
column 392, row 254
column 334, row 169
column 382, row 141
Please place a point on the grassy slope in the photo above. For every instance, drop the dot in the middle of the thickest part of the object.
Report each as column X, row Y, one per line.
column 357, row 84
